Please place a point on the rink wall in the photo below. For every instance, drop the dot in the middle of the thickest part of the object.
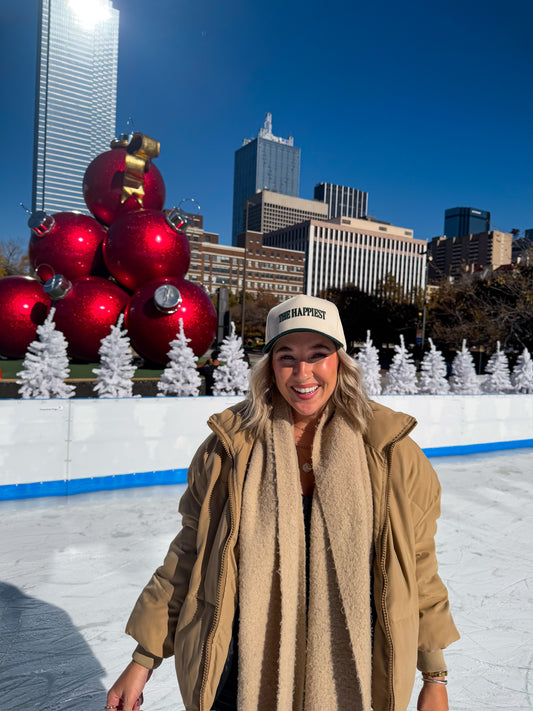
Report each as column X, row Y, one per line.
column 64, row 447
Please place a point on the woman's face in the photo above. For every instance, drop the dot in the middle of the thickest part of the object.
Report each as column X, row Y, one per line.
column 305, row 367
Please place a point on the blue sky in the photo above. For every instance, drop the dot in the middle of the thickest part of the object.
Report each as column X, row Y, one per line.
column 424, row 105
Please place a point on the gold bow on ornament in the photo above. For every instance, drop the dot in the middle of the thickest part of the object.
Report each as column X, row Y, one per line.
column 139, row 152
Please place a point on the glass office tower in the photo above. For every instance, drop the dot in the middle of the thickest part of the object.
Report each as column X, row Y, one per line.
column 265, row 162
column 461, row 221
column 75, row 101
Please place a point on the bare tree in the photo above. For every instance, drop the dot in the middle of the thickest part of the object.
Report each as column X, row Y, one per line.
column 13, row 259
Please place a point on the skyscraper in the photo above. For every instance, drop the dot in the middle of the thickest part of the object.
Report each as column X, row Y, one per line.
column 341, row 200
column 461, row 221
column 75, row 98
column 265, row 162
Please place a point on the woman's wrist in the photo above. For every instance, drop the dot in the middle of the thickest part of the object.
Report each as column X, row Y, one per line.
column 437, row 677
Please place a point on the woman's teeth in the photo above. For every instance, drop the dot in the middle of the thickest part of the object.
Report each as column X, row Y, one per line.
column 306, row 391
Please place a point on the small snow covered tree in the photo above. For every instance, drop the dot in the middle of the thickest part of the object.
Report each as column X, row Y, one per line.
column 368, row 361
column 180, row 376
column 522, row 377
column 499, row 377
column 232, row 377
column 45, row 365
column 401, row 378
column 464, row 379
column 114, row 377
column 433, row 372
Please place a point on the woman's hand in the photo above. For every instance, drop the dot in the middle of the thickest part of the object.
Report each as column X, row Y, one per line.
column 126, row 692
column 433, row 697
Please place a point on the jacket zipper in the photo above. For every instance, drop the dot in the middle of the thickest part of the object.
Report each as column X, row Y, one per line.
column 386, row 621
column 386, row 580
column 214, row 625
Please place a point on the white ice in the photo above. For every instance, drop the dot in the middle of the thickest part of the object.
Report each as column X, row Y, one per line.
column 71, row 569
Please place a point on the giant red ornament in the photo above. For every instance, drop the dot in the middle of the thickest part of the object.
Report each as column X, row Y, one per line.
column 23, row 307
column 65, row 243
column 85, row 311
column 146, row 244
column 153, row 314
column 103, row 187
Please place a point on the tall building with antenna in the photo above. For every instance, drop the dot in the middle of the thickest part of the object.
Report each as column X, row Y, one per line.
column 266, row 162
column 75, row 98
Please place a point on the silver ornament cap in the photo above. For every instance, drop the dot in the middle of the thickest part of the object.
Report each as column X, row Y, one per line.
column 167, row 298
column 57, row 287
column 40, row 223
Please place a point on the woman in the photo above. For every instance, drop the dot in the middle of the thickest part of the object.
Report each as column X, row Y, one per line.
column 331, row 610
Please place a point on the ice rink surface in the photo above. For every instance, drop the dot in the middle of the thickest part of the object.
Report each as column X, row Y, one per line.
column 71, row 569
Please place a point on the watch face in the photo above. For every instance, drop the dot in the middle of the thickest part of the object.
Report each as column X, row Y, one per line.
column 167, row 297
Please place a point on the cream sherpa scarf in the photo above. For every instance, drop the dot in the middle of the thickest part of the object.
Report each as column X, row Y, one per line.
column 290, row 661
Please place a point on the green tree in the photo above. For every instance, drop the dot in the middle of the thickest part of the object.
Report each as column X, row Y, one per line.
column 255, row 313
column 386, row 314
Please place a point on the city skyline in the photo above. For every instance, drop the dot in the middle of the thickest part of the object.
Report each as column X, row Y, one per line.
column 75, row 99
column 407, row 103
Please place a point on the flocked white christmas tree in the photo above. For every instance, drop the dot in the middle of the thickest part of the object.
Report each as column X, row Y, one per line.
column 464, row 379
column 401, row 378
column 45, row 365
column 180, row 376
column 522, row 377
column 232, row 377
column 114, row 376
column 368, row 361
column 433, row 372
column 498, row 378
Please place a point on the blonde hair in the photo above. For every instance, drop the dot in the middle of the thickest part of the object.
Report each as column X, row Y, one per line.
column 349, row 396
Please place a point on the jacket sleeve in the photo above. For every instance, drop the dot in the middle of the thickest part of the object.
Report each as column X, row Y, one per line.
column 436, row 627
column 153, row 620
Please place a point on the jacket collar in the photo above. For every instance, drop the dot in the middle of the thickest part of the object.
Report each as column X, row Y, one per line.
column 385, row 427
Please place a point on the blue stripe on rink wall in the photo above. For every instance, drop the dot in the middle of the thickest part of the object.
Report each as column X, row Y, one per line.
column 62, row 487
column 37, row 489
column 476, row 448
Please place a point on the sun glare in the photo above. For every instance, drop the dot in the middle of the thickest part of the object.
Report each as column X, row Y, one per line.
column 90, row 12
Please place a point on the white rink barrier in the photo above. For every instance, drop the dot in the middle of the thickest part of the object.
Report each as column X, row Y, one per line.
column 64, row 447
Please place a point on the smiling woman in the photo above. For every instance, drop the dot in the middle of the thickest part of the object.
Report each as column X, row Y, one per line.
column 305, row 575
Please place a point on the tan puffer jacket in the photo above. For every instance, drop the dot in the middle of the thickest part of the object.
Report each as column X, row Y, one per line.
column 187, row 608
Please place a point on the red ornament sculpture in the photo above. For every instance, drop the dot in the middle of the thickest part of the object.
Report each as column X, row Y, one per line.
column 153, row 313
column 146, row 244
column 85, row 311
column 23, row 307
column 65, row 243
column 124, row 179
column 144, row 249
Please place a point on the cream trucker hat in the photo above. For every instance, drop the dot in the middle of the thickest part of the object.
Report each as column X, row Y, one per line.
column 304, row 313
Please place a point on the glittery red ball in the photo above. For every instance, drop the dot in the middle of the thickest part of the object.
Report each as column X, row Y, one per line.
column 23, row 307
column 72, row 247
column 143, row 245
column 87, row 312
column 103, row 182
column 151, row 330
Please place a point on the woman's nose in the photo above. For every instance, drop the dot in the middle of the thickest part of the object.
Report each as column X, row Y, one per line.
column 301, row 368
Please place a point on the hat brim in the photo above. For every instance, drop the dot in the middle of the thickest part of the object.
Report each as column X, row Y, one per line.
column 268, row 346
